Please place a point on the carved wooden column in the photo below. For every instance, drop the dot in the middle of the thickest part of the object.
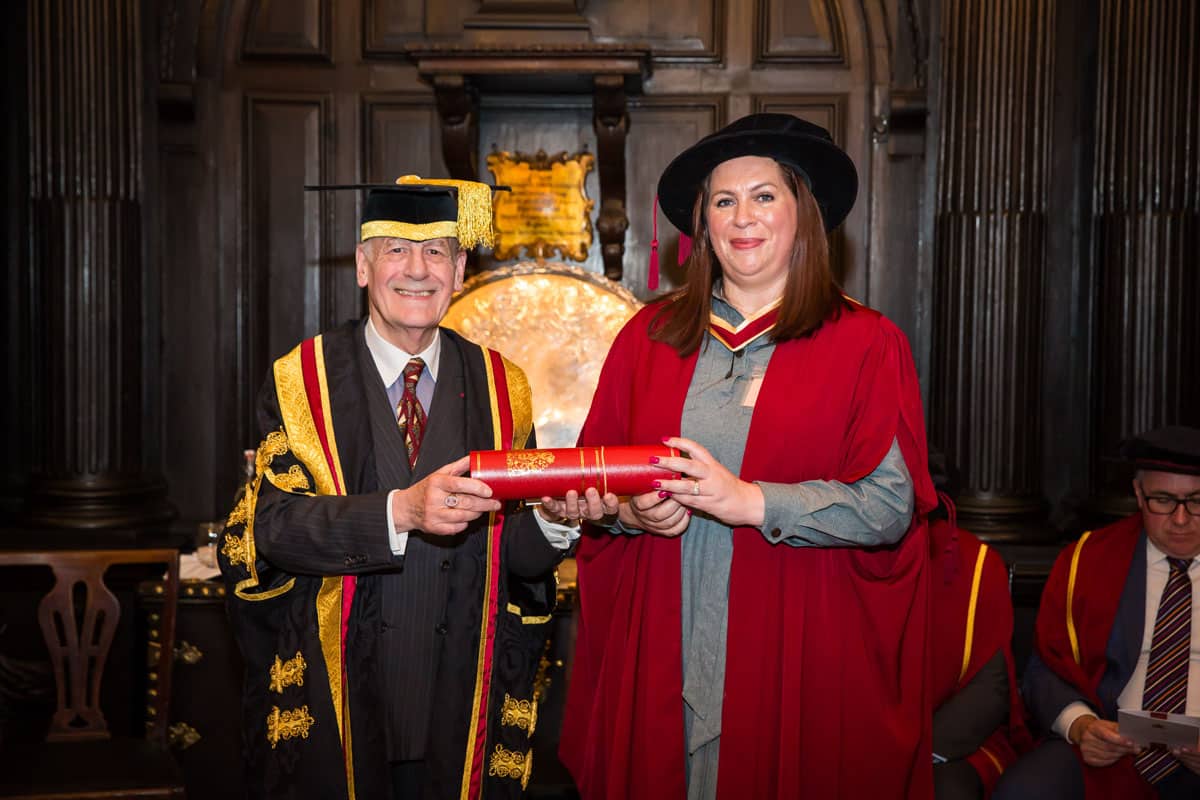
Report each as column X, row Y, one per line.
column 458, row 109
column 1146, row 219
column 990, row 229
column 86, row 97
column 611, row 121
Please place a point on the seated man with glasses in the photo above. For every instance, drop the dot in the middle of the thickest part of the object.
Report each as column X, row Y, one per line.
column 1119, row 628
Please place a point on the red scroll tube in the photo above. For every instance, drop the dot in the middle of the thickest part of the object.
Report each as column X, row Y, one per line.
column 531, row 474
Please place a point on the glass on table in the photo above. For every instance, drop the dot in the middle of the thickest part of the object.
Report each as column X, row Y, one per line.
column 207, row 535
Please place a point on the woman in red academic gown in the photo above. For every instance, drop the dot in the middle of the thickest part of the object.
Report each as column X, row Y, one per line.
column 758, row 627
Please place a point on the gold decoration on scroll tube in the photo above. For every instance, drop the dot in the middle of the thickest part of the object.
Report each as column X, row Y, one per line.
column 556, row 322
column 548, row 208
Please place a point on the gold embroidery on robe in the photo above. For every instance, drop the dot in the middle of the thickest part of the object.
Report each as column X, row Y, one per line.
column 510, row 764
column 287, row 673
column 520, row 400
column 242, row 551
column 241, row 512
column 521, row 713
column 292, row 480
column 235, row 550
column 288, row 724
column 276, row 444
column 528, row 620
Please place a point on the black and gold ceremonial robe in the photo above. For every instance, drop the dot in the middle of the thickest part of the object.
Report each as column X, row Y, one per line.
column 354, row 656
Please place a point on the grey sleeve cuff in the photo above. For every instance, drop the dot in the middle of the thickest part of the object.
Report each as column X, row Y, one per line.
column 870, row 512
column 621, row 527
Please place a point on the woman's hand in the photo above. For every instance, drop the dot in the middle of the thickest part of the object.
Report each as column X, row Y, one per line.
column 591, row 506
column 655, row 512
column 706, row 485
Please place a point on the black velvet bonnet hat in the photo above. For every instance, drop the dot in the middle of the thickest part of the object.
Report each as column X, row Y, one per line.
column 1175, row 448
column 808, row 148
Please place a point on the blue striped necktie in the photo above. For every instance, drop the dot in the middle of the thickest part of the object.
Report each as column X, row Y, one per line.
column 1167, row 669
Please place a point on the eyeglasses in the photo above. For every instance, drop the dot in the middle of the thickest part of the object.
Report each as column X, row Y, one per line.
column 1167, row 503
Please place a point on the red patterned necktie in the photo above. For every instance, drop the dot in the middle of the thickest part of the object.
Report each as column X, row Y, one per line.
column 409, row 414
column 1167, row 669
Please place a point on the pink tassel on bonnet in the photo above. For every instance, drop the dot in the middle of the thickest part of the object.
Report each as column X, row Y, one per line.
column 685, row 250
column 685, row 247
column 652, row 278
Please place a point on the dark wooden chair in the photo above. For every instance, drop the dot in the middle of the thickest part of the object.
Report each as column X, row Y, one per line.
column 80, row 757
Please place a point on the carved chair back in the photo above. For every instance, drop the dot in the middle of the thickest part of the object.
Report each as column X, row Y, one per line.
column 78, row 635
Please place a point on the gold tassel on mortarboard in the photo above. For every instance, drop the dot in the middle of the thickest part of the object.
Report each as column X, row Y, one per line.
column 474, row 209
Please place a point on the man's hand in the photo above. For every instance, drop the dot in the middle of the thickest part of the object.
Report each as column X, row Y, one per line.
column 590, row 505
column 1099, row 742
column 444, row 503
column 1189, row 757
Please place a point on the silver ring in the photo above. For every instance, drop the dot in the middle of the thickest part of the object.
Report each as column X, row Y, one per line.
column 695, row 486
column 451, row 500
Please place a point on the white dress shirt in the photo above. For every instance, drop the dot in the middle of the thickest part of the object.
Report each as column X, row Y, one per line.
column 1157, row 572
column 390, row 362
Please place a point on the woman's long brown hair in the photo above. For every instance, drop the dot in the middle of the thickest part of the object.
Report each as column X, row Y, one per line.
column 810, row 295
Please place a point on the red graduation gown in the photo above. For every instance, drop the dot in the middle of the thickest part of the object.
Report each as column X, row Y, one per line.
column 970, row 596
column 826, row 678
column 1079, row 606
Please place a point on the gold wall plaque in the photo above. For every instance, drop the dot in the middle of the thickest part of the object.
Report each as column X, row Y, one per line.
column 548, row 208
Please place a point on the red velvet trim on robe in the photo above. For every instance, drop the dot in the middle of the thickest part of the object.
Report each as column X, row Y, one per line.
column 1100, row 573
column 827, row 647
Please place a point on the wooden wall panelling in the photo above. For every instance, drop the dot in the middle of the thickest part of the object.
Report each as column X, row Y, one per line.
column 178, row 43
column 389, row 24
column 660, row 128
column 678, row 31
column 286, row 261
column 799, row 32
column 826, row 110
column 290, row 29
column 191, row 319
column 1146, row 223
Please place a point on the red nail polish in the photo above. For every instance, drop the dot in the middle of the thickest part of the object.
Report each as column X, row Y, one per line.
column 658, row 484
column 689, row 512
column 665, row 439
column 664, row 495
column 653, row 459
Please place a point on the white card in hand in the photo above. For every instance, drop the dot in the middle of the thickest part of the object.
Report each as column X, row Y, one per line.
column 1148, row 728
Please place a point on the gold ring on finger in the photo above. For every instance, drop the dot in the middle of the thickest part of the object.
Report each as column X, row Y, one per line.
column 695, row 487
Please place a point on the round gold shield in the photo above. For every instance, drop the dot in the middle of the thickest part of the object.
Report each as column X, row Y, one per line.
column 556, row 322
